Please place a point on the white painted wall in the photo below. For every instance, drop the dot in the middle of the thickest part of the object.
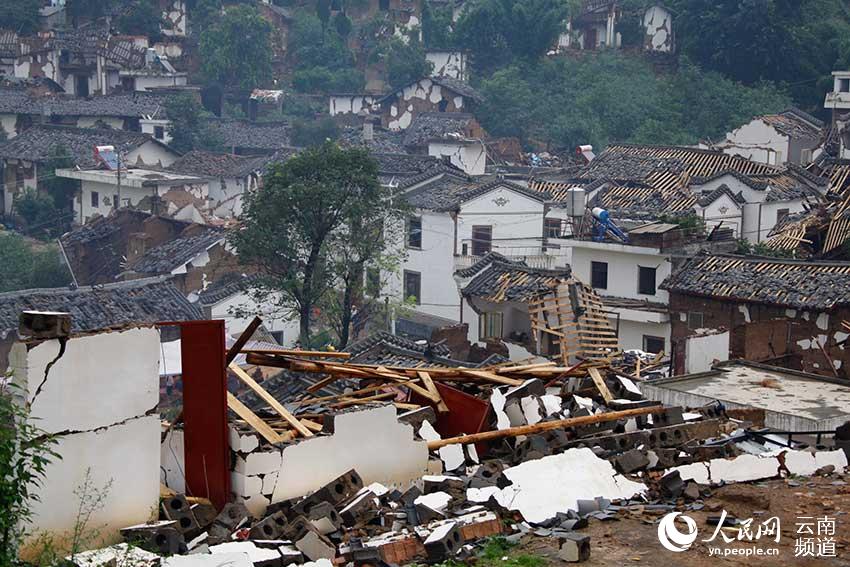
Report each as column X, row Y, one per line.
column 226, row 195
column 105, row 424
column 701, row 351
column 448, row 64
column 517, row 221
column 426, row 89
column 349, row 104
column 623, row 262
column 631, row 333
column 149, row 127
column 274, row 322
column 471, row 157
column 151, row 153
column 7, row 124
column 723, row 210
column 657, row 21
column 435, row 261
column 90, row 122
column 759, row 142
column 107, row 192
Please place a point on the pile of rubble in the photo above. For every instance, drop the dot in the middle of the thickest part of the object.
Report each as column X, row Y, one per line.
column 557, row 446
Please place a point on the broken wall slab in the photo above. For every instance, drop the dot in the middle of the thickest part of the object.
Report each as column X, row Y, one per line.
column 544, row 487
column 370, row 441
column 97, row 381
column 124, row 457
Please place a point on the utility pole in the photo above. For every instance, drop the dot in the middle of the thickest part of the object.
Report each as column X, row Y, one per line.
column 118, row 161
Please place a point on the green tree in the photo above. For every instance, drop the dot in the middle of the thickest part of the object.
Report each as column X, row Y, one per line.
column 60, row 189
column 323, row 11
column 404, row 60
column 497, row 31
column 314, row 132
column 40, row 214
column 342, row 24
column 236, row 49
column 20, row 16
column 293, row 226
column 140, row 17
column 437, row 26
column 26, row 266
column 25, row 453
column 189, row 128
column 322, row 60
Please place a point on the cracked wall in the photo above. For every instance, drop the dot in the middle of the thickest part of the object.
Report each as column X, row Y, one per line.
column 99, row 399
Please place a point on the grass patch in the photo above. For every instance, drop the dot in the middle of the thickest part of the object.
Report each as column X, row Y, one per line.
column 492, row 553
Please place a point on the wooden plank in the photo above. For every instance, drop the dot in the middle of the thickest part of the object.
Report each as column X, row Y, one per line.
column 302, row 353
column 269, row 399
column 246, row 335
column 596, row 376
column 429, row 384
column 492, row 377
column 253, row 419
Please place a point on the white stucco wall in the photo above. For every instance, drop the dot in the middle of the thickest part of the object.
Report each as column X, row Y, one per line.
column 226, row 195
column 517, row 221
column 149, row 127
column 435, row 262
column 631, row 333
column 702, row 351
column 657, row 21
column 623, row 262
column 447, row 64
column 274, row 322
column 402, row 111
column 142, row 84
column 7, row 123
column 757, row 141
column 724, row 211
column 83, row 209
column 115, row 441
column 470, row 157
column 151, row 153
column 349, row 104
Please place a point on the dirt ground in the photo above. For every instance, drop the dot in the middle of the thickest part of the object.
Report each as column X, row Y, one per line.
column 632, row 540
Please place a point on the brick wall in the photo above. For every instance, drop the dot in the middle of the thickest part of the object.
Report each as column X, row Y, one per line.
column 773, row 334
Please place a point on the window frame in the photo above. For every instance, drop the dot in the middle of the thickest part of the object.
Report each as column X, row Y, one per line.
column 491, row 325
column 654, row 280
column 695, row 315
column 647, row 338
column 593, row 265
column 478, row 246
column 94, row 199
column 410, row 233
column 159, row 132
column 549, row 223
column 412, row 274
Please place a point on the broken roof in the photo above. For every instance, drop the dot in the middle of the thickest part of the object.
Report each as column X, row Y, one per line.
column 431, row 126
column 794, row 123
column 37, row 143
column 619, row 159
column 382, row 141
column 797, row 284
column 455, row 85
column 503, row 281
column 178, row 252
column 224, row 287
column 636, row 202
column 148, row 300
column 211, row 164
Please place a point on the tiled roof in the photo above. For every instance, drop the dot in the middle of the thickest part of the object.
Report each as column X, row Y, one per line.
column 382, row 337
column 137, row 301
column 430, row 126
column 637, row 202
column 696, row 162
column 37, row 143
column 707, row 198
column 198, row 162
column 482, row 263
column 252, row 135
column 135, row 105
column 177, row 252
column 450, row 191
column 224, row 287
column 838, row 173
column 460, row 87
column 382, row 141
column 793, row 283
column 391, row 350
column 511, row 281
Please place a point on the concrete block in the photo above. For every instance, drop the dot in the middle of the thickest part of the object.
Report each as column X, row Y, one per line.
column 233, row 515
column 631, row 461
column 259, row 462
column 177, row 508
column 242, row 443
column 245, row 486
column 452, row 485
column 315, row 546
column 324, row 518
column 360, row 509
column 259, row 556
column 269, row 528
column 672, row 485
column 159, row 537
column 216, row 560
column 269, row 482
column 443, row 542
column 575, row 548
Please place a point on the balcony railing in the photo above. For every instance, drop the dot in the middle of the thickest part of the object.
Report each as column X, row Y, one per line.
column 533, row 254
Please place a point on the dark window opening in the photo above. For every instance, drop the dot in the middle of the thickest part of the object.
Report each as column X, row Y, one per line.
column 159, row 132
column 652, row 344
column 373, row 282
column 553, row 228
column 95, row 199
column 781, row 214
column 443, row 105
column 413, row 286
column 81, row 85
column 599, row 275
column 482, row 240
column 116, row 201
column 646, row 281
column 414, row 232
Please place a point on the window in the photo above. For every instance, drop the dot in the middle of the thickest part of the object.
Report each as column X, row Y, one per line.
column 553, row 228
column 159, row 132
column 443, row 105
column 116, row 201
column 844, row 85
column 599, row 275
column 646, row 281
column 373, row 282
column 695, row 320
column 95, row 199
column 653, row 344
column 384, row 5
column 278, row 336
column 490, row 326
column 482, row 240
column 414, row 232
column 413, row 286
column 780, row 215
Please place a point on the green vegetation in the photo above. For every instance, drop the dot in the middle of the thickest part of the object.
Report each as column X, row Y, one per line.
column 498, row 552
column 140, row 17
column 313, row 132
column 604, row 97
column 404, row 59
column 26, row 266
column 236, row 49
column 20, row 16
column 25, row 452
column 323, row 61
column 324, row 199
column 189, row 129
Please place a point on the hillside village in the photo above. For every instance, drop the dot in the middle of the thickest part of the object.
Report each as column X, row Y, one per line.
column 369, row 282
